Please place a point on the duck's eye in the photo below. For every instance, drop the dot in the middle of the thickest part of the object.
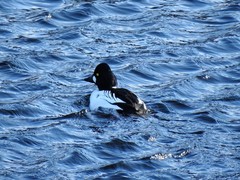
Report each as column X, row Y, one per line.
column 97, row 74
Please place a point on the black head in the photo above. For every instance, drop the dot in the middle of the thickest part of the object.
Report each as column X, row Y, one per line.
column 103, row 77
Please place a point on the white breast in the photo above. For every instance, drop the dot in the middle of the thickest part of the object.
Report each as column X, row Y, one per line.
column 103, row 99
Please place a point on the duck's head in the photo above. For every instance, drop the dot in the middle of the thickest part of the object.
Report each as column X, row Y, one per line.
column 103, row 77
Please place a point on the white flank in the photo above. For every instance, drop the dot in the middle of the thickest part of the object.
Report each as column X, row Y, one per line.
column 104, row 99
column 140, row 102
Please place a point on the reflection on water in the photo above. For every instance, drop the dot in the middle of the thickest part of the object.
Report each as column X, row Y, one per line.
column 181, row 57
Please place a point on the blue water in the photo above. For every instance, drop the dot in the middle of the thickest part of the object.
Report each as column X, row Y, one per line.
column 181, row 57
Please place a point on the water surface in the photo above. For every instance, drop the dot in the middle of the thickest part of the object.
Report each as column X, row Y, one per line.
column 181, row 57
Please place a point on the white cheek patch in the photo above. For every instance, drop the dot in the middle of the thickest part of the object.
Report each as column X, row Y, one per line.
column 94, row 79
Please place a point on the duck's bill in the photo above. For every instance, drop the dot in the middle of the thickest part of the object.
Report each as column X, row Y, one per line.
column 89, row 79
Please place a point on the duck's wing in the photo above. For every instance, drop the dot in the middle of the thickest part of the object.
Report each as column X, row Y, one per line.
column 104, row 99
column 131, row 103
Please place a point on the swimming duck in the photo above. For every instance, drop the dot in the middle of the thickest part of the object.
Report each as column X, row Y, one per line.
column 110, row 96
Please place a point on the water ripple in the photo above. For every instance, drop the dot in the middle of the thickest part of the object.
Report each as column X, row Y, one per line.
column 181, row 58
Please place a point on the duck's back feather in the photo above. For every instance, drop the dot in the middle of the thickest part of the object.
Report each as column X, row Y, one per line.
column 131, row 103
column 119, row 99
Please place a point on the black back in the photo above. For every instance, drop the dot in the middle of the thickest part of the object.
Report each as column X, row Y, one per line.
column 132, row 104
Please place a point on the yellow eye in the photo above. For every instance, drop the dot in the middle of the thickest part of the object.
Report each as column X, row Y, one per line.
column 97, row 74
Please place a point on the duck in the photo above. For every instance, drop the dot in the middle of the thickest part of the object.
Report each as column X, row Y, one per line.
column 109, row 96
